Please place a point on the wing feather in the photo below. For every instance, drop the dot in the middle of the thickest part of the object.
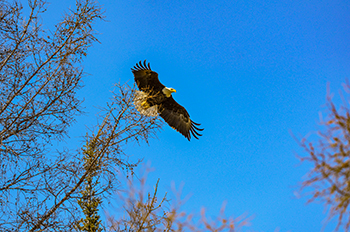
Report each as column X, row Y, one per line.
column 178, row 118
column 145, row 78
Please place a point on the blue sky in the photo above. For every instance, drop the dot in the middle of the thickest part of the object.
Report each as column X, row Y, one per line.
column 251, row 72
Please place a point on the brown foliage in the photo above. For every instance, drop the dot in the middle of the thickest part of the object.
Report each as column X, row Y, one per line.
column 329, row 178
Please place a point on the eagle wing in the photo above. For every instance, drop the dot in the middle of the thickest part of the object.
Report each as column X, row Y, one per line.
column 145, row 78
column 178, row 118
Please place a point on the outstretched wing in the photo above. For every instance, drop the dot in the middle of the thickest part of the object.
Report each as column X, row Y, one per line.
column 178, row 118
column 145, row 78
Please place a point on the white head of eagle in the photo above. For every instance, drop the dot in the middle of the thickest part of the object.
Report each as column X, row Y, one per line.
column 168, row 91
column 155, row 99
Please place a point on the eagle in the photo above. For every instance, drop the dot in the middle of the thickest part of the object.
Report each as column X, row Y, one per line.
column 154, row 99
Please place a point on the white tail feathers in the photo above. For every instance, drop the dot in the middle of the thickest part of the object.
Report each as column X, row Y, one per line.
column 139, row 98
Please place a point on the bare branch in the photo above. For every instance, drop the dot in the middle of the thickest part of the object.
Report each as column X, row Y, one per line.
column 329, row 179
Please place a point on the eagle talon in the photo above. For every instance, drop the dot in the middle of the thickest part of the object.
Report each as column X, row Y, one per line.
column 145, row 105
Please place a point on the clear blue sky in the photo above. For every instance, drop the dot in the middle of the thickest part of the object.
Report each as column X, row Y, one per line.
column 251, row 72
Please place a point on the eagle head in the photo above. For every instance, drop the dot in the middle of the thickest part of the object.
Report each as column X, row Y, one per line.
column 168, row 91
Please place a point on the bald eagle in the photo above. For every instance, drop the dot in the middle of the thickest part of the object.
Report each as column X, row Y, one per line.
column 154, row 98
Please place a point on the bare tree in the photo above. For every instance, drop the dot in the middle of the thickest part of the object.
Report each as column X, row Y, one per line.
column 329, row 179
column 39, row 77
column 145, row 211
column 40, row 73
